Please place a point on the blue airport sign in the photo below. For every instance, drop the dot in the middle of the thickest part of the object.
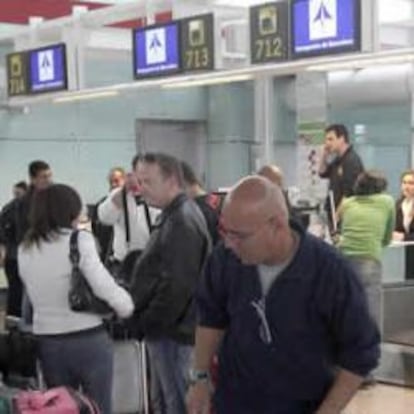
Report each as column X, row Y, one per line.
column 47, row 69
column 324, row 27
column 156, row 50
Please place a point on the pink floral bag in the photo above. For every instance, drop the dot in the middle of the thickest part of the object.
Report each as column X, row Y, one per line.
column 60, row 400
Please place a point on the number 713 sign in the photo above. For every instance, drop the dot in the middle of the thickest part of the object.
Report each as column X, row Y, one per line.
column 197, row 43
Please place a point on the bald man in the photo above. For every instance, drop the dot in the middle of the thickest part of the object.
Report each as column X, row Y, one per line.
column 290, row 315
column 273, row 173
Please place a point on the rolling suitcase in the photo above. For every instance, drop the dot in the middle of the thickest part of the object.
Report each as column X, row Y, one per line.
column 130, row 382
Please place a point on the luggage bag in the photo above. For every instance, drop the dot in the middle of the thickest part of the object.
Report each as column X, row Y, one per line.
column 130, row 381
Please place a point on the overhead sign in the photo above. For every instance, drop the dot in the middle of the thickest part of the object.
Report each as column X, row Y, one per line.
column 47, row 69
column 156, row 50
column 17, row 79
column 323, row 27
column 269, row 32
column 197, row 43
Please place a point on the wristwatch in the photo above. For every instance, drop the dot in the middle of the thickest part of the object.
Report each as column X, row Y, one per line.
column 196, row 375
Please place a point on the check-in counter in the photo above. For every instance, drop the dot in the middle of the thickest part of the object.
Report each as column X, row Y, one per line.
column 397, row 356
column 393, row 262
column 398, row 295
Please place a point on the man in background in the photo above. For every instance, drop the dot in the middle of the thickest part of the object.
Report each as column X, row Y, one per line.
column 14, row 223
column 208, row 203
column 166, row 274
column 341, row 165
column 131, row 219
column 19, row 189
column 104, row 233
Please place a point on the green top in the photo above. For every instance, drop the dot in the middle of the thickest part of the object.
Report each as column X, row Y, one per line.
column 367, row 225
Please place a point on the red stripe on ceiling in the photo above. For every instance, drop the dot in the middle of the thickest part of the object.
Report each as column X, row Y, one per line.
column 19, row 11
column 131, row 24
column 163, row 17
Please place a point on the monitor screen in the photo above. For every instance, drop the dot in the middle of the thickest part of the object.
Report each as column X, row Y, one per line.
column 156, row 50
column 47, row 69
column 324, row 27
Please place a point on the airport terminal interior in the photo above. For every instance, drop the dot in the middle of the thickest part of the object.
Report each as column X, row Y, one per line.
column 228, row 86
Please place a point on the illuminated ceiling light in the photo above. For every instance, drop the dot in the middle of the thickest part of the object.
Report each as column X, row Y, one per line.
column 85, row 96
column 362, row 63
column 207, row 81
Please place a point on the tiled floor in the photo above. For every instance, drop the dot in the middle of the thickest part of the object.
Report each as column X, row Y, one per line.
column 383, row 399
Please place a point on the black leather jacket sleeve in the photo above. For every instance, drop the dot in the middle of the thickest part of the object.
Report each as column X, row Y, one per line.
column 183, row 249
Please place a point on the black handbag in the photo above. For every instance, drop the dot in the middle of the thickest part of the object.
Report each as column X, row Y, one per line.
column 81, row 297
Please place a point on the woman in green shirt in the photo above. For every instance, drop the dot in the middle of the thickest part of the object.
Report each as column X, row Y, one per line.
column 367, row 223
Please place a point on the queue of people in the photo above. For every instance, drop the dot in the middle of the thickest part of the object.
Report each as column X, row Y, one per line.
column 293, row 321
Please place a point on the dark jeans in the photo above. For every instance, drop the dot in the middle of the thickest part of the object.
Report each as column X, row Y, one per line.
column 15, row 289
column 82, row 359
column 170, row 363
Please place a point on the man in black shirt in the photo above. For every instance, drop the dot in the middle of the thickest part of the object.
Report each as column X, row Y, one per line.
column 340, row 164
column 14, row 223
column 208, row 203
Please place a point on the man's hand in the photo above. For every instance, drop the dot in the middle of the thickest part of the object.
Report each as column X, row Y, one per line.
column 132, row 185
column 198, row 398
column 342, row 391
column 398, row 236
column 325, row 156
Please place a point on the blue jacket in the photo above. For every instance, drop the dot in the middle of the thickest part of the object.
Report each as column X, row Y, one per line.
column 318, row 318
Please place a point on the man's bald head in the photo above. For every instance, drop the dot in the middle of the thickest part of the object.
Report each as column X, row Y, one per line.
column 273, row 173
column 255, row 222
column 255, row 195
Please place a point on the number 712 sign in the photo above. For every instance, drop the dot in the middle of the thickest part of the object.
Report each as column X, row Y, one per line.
column 269, row 34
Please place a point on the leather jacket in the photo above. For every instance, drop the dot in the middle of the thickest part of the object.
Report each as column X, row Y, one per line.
column 166, row 273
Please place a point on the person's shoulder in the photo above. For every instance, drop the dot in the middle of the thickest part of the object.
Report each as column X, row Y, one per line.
column 352, row 157
column 347, row 201
column 9, row 206
column 85, row 238
column 223, row 260
column 385, row 199
column 321, row 254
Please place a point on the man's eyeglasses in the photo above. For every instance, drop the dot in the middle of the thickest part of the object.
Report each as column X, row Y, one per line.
column 240, row 236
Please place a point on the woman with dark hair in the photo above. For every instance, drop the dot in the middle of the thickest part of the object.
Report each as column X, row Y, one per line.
column 404, row 223
column 74, row 348
column 367, row 221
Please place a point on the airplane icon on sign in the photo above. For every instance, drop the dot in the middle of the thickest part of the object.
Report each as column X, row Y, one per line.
column 323, row 19
column 155, row 43
column 156, row 46
column 323, row 14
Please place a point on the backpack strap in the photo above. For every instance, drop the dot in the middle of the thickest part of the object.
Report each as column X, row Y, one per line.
column 139, row 202
column 126, row 216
